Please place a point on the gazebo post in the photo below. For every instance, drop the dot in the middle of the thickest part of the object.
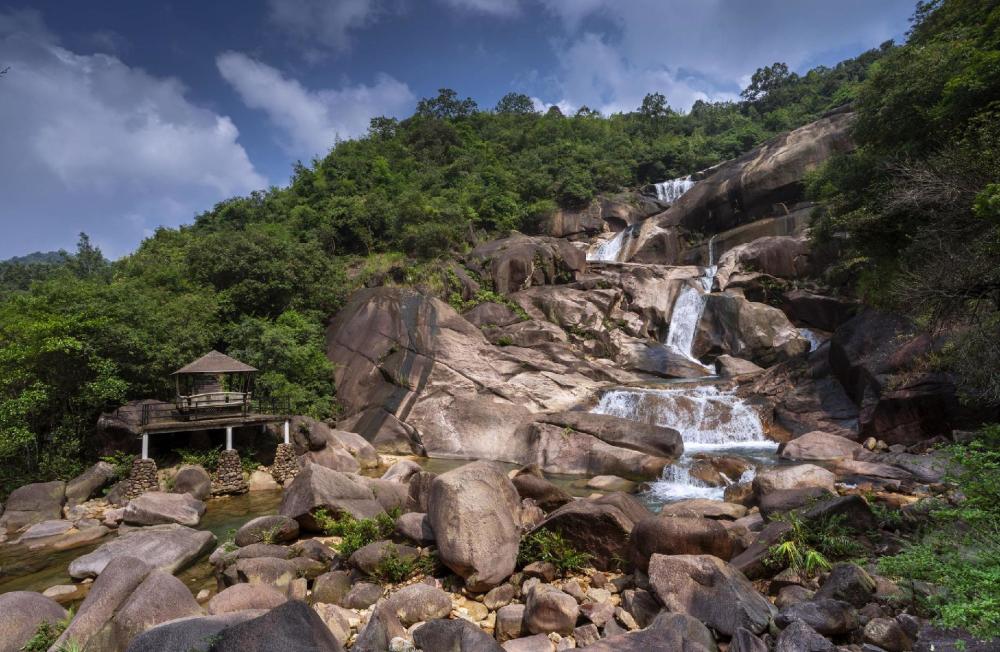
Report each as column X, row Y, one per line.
column 145, row 446
column 229, row 438
column 286, row 431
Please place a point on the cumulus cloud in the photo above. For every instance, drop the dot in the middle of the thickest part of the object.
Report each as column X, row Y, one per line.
column 312, row 121
column 595, row 73
column 694, row 50
column 90, row 143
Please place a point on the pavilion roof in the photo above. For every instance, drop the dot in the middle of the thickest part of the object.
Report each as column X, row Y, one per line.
column 214, row 362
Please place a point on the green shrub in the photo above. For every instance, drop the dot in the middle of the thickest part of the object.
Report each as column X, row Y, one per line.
column 46, row 634
column 959, row 550
column 356, row 533
column 808, row 547
column 546, row 545
column 208, row 459
column 122, row 462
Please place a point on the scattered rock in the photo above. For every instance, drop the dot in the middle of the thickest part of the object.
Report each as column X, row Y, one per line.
column 33, row 503
column 674, row 535
column 362, row 595
column 87, row 485
column 262, row 481
column 419, row 602
column 670, row 631
column 611, row 483
column 828, row 617
column 267, row 529
column 169, row 548
column 704, row 508
column 710, row 590
column 332, row 587
column 241, row 597
column 368, row 558
column 510, row 622
column 195, row 634
column 453, row 636
column 194, row 481
column 887, row 634
column 159, row 508
column 548, row 609
column 416, row 527
column 291, row 626
column 800, row 637
column 793, row 477
column 530, row 484
column 317, row 487
column 818, row 445
column 848, row 582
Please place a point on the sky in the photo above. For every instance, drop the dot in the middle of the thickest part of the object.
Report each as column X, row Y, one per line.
column 117, row 116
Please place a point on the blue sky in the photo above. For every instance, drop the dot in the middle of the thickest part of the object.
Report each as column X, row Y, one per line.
column 119, row 116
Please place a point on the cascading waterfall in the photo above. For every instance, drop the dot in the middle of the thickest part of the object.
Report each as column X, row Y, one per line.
column 707, row 418
column 688, row 308
column 610, row 250
column 812, row 337
column 670, row 191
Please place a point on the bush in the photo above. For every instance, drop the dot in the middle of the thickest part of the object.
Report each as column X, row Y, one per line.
column 546, row 545
column 46, row 634
column 356, row 533
column 959, row 551
column 808, row 547
column 207, row 459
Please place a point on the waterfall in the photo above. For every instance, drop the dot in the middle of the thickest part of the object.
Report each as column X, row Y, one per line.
column 670, row 191
column 688, row 308
column 610, row 250
column 812, row 337
column 705, row 416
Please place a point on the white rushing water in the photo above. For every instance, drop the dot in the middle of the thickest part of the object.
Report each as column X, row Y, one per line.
column 670, row 191
column 609, row 250
column 812, row 337
column 688, row 308
column 707, row 418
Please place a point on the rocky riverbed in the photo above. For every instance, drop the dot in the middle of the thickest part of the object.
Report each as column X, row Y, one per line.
column 632, row 430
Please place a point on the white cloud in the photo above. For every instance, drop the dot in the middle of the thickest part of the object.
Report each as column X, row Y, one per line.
column 594, row 73
column 323, row 23
column 724, row 41
column 503, row 8
column 312, row 121
column 90, row 143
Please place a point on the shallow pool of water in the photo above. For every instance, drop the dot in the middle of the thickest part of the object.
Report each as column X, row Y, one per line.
column 36, row 570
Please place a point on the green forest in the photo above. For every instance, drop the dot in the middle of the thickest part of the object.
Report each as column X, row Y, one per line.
column 917, row 208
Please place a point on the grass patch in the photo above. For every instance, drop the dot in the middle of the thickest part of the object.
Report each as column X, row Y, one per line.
column 546, row 545
column 958, row 550
column 393, row 569
column 807, row 548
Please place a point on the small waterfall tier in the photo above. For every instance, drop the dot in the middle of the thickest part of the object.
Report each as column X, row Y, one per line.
column 688, row 308
column 670, row 191
column 610, row 251
column 707, row 418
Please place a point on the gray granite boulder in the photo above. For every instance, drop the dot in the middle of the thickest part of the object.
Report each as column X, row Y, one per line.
column 169, row 548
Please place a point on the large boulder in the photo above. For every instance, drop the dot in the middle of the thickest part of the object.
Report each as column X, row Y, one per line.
column 672, row 535
column 192, row 634
column 317, row 487
column 240, row 597
column 126, row 600
column 648, row 438
column 419, row 603
column 825, row 616
column 730, row 324
column 267, row 529
column 530, row 483
column 793, row 477
column 474, row 512
column 818, row 311
column 879, row 358
column 21, row 612
column 33, row 503
column 519, row 261
column 818, row 445
column 159, row 508
column 784, row 257
column 193, row 480
column 87, row 485
column 454, row 636
column 709, row 589
column 290, row 626
column 598, row 526
column 169, row 548
column 748, row 187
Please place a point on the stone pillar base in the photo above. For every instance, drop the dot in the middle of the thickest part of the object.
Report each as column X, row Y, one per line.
column 285, row 465
column 228, row 477
column 142, row 478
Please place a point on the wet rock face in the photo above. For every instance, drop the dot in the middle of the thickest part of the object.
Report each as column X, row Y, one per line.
column 474, row 511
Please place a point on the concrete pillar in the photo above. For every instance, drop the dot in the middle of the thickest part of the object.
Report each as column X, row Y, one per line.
column 286, row 432
column 229, row 438
column 145, row 446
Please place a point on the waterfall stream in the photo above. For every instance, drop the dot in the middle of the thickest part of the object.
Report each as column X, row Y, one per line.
column 670, row 191
column 609, row 250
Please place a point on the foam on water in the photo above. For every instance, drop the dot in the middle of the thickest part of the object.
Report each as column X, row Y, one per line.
column 670, row 191
column 812, row 337
column 610, row 250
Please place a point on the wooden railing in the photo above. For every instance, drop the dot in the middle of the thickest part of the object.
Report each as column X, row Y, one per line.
column 209, row 409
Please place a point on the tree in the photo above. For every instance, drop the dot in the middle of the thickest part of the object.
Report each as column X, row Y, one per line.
column 446, row 106
column 382, row 127
column 766, row 80
column 516, row 104
column 88, row 260
column 654, row 105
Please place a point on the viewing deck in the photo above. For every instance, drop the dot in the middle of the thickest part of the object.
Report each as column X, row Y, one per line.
column 156, row 419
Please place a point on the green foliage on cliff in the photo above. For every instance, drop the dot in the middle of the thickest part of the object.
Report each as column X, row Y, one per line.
column 257, row 276
column 916, row 207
